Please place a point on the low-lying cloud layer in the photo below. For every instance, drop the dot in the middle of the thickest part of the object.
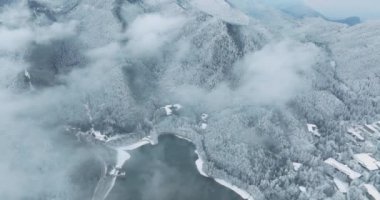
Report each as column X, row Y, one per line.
column 148, row 33
column 271, row 76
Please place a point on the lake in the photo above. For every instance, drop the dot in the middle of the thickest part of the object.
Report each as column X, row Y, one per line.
column 167, row 171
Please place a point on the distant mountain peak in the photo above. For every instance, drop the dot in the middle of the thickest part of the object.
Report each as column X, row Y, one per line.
column 351, row 21
column 301, row 11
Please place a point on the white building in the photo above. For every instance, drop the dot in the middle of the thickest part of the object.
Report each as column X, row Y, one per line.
column 366, row 161
column 372, row 191
column 343, row 168
column 356, row 133
column 370, row 129
column 342, row 186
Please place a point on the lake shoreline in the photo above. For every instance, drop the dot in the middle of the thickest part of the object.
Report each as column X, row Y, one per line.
column 199, row 162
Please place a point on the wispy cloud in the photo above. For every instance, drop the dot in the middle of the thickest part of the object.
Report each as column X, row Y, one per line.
column 149, row 32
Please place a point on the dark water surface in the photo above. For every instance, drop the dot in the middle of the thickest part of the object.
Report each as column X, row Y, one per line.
column 167, row 171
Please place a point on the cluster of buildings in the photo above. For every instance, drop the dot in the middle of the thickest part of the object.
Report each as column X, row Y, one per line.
column 367, row 130
column 366, row 160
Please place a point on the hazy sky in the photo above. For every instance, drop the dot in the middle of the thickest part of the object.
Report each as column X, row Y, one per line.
column 366, row 9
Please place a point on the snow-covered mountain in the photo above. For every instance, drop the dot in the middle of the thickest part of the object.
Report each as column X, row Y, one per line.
column 299, row 10
column 110, row 67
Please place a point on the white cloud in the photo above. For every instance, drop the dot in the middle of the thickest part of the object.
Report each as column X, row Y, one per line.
column 14, row 15
column 275, row 73
column 17, row 31
column 148, row 33
column 271, row 76
column 9, row 68
column 55, row 31
column 14, row 39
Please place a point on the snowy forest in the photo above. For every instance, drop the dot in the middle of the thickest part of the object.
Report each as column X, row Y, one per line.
column 242, row 80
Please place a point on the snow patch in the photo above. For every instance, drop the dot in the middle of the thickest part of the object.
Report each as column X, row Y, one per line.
column 199, row 164
column 297, row 166
column 122, row 156
column 136, row 145
column 169, row 109
column 88, row 112
column 26, row 74
column 98, row 135
column 203, row 125
column 302, row 188
column 183, row 138
column 242, row 193
column 204, row 116
column 312, row 128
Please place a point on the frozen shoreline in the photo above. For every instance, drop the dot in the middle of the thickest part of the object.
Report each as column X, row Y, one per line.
column 122, row 152
column 199, row 164
column 123, row 156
